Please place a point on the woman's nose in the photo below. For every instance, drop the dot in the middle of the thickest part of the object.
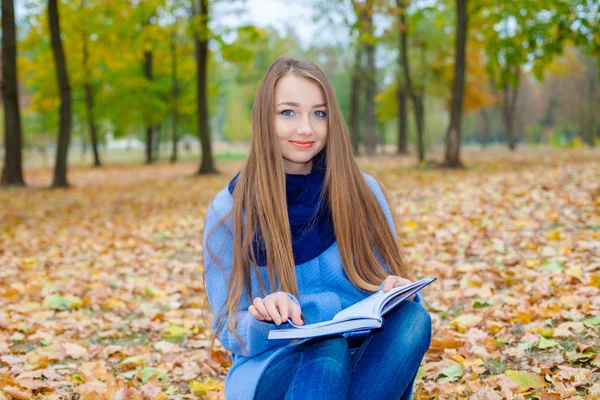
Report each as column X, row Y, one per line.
column 304, row 127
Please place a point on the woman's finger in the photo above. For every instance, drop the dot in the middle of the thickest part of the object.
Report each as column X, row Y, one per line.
column 401, row 282
column 389, row 282
column 296, row 313
column 254, row 312
column 272, row 310
column 282, row 301
column 260, row 306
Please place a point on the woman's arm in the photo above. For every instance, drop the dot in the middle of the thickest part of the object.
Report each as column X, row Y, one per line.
column 217, row 265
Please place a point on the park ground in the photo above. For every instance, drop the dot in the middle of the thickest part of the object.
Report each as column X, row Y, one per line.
column 101, row 291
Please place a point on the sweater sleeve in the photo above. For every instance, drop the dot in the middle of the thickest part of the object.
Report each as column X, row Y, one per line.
column 376, row 187
column 253, row 334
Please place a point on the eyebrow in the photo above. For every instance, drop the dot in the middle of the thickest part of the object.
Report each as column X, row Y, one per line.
column 294, row 104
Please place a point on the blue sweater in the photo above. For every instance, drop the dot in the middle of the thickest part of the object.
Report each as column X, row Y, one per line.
column 324, row 290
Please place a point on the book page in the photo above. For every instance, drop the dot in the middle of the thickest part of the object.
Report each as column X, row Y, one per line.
column 374, row 305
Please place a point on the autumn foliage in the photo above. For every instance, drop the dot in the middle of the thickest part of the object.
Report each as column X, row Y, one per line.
column 101, row 291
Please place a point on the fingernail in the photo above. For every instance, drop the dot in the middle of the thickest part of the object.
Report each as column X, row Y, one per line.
column 277, row 321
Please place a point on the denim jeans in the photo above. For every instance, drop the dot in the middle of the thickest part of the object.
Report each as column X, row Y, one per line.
column 383, row 367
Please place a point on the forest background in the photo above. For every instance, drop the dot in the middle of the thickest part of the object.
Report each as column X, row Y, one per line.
column 147, row 72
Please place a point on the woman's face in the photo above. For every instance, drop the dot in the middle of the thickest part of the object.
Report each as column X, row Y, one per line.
column 300, row 122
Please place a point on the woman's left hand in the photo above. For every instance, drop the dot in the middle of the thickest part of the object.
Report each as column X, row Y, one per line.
column 393, row 281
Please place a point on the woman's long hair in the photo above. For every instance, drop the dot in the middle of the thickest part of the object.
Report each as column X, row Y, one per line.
column 359, row 222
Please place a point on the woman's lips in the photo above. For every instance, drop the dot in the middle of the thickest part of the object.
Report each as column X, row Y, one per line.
column 301, row 144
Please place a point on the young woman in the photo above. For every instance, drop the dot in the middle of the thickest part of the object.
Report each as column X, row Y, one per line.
column 301, row 233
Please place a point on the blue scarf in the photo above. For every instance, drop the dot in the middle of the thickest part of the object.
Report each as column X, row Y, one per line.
column 311, row 223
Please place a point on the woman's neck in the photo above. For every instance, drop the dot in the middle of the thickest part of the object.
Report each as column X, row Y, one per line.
column 297, row 168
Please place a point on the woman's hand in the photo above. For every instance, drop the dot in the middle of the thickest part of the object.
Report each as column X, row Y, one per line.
column 393, row 281
column 277, row 307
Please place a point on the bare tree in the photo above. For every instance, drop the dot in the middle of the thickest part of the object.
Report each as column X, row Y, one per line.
column 416, row 99
column 201, row 37
column 64, row 131
column 12, row 174
column 452, row 158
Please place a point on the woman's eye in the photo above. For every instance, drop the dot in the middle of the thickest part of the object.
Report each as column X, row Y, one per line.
column 320, row 114
column 287, row 113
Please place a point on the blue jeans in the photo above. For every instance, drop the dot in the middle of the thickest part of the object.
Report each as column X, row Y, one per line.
column 383, row 367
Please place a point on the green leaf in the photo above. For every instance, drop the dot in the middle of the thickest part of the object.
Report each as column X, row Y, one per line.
column 58, row 302
column 129, row 374
column 420, row 373
column 525, row 345
column 177, row 331
column 77, row 378
column 454, row 371
column 552, row 266
column 583, row 357
column 592, row 321
column 546, row 343
column 526, row 379
column 482, row 304
column 147, row 372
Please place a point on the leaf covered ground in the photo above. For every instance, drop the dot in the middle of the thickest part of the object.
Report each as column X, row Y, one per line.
column 101, row 292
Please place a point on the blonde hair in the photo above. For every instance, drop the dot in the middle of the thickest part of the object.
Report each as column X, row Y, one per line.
column 359, row 221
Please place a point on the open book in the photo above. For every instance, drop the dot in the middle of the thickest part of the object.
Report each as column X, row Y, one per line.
column 365, row 315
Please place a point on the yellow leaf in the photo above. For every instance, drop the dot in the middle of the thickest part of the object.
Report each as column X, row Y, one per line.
column 208, row 385
column 465, row 321
column 545, row 332
column 177, row 331
column 133, row 361
column 532, row 263
column 575, row 271
column 553, row 235
column 112, row 303
column 410, row 224
column 595, row 280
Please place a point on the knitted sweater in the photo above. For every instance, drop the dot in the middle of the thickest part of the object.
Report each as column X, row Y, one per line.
column 323, row 286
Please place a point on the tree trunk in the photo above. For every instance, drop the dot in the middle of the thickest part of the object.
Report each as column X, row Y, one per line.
column 402, row 122
column 370, row 130
column 12, row 174
column 89, row 101
column 64, row 132
column 420, row 120
column 149, row 126
column 591, row 114
column 175, row 93
column 485, row 117
column 407, row 78
column 366, row 15
column 158, row 138
column 453, row 135
column 201, row 52
column 355, row 99
column 420, row 114
column 509, row 105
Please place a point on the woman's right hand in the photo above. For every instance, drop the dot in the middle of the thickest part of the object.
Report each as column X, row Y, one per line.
column 277, row 307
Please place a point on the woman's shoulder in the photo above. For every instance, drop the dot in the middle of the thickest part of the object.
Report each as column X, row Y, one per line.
column 221, row 204
column 373, row 184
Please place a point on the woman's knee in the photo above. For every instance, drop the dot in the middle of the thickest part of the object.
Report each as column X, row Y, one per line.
column 330, row 345
column 412, row 322
column 327, row 362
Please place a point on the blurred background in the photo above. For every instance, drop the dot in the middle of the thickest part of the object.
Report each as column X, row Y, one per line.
column 150, row 81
